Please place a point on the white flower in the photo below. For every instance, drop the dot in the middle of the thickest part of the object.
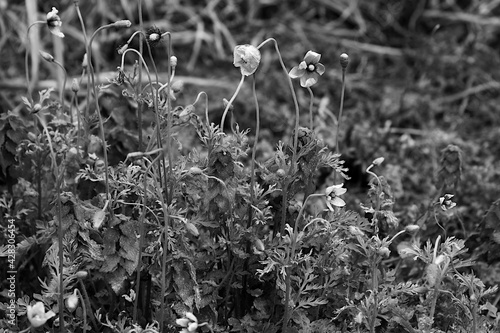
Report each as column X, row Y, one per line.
column 247, row 58
column 54, row 23
column 446, row 203
column 332, row 196
column 72, row 301
column 37, row 316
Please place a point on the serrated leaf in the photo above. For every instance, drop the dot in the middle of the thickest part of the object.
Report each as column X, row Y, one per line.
column 129, row 266
column 116, row 280
column 129, row 228
column 110, row 237
column 129, row 248
column 110, row 263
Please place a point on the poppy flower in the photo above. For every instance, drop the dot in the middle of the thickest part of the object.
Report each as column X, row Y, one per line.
column 332, row 196
column 247, row 58
column 189, row 322
column 446, row 203
column 309, row 70
column 72, row 301
column 37, row 316
column 54, row 23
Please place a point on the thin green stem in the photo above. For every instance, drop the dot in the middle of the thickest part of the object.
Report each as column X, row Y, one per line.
column 87, row 303
column 141, row 238
column 311, row 102
column 26, row 64
column 290, row 256
column 223, row 119
column 254, row 152
column 339, row 120
column 168, row 190
column 97, row 108
column 84, row 33
column 293, row 165
column 60, row 226
column 84, row 308
column 139, row 84
column 64, row 84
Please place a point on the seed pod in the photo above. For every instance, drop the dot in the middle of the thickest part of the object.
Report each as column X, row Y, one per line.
column 122, row 24
column 195, row 171
column 280, row 173
column 81, row 274
column 344, row 60
column 412, row 228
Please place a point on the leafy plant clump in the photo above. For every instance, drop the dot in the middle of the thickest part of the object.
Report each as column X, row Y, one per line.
column 140, row 208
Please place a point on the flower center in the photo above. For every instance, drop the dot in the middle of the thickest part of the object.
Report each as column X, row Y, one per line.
column 154, row 37
column 311, row 67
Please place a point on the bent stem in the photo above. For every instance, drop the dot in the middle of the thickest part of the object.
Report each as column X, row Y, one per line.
column 63, row 86
column 290, row 256
column 223, row 119
column 254, row 152
column 342, row 94
column 26, row 65
column 296, row 132
column 339, row 120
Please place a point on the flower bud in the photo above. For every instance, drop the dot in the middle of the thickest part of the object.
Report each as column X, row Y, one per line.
column 344, row 60
column 37, row 108
column 81, row 274
column 259, row 245
column 85, row 62
column 280, row 173
column 384, row 251
column 173, row 61
column 46, row 56
column 122, row 49
column 122, row 24
column 378, row 161
column 72, row 301
column 195, row 171
column 75, row 86
column 412, row 228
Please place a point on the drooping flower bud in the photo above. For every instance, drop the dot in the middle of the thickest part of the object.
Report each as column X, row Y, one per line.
column 72, row 301
column 46, row 56
column 123, row 24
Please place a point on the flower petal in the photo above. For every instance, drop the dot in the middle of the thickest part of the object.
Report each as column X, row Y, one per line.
column 329, row 205
column 308, row 80
column 337, row 202
column 296, row 72
column 339, row 191
column 320, row 68
column 183, row 322
column 312, row 57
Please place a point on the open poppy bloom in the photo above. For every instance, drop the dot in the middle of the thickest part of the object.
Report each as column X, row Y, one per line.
column 309, row 70
column 332, row 196
column 37, row 316
column 54, row 23
column 247, row 58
